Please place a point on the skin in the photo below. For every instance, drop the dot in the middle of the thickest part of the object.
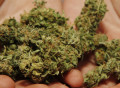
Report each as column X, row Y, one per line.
column 74, row 78
column 110, row 26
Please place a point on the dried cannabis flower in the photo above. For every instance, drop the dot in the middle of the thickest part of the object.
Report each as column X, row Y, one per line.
column 42, row 45
column 107, row 57
column 87, row 24
column 35, row 46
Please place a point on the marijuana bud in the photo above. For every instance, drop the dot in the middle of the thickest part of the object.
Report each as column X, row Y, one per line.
column 42, row 45
column 107, row 57
column 35, row 46
column 91, row 15
column 87, row 24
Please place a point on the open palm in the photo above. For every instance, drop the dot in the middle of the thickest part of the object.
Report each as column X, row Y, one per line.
column 72, row 8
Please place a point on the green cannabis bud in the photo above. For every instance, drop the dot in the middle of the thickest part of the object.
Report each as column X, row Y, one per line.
column 42, row 45
column 87, row 24
column 107, row 57
column 35, row 46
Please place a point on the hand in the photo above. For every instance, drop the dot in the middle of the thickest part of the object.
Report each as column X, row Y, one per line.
column 7, row 11
column 110, row 26
column 72, row 9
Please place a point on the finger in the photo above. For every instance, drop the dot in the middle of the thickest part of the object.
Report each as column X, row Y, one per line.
column 6, row 82
column 111, row 30
column 117, row 86
column 13, row 8
column 87, row 64
column 37, row 86
column 72, row 9
column 111, row 22
column 116, row 5
column 74, row 78
column 57, row 85
column 55, row 4
column 22, row 83
column 7, row 10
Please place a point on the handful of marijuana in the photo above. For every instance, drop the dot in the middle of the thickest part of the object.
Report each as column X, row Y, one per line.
column 42, row 45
